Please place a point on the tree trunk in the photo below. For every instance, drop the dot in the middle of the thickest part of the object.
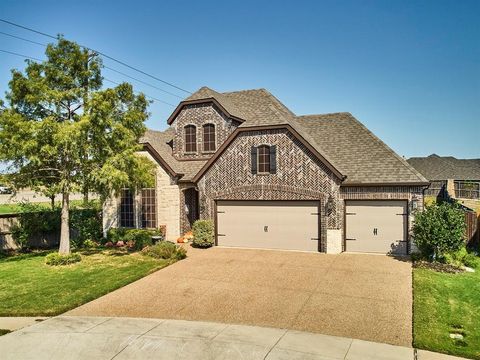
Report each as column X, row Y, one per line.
column 52, row 201
column 65, row 227
column 85, row 196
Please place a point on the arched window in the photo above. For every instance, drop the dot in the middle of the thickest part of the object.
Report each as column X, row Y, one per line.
column 263, row 162
column 208, row 137
column 190, row 138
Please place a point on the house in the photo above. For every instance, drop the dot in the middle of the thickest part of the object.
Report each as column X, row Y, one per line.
column 271, row 179
column 451, row 177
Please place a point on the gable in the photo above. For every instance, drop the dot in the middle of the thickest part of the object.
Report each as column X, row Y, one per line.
column 258, row 135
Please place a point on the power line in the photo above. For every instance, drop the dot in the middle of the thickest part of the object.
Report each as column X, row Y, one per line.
column 100, row 53
column 114, row 82
column 141, row 81
column 106, row 67
column 21, row 38
column 29, row 29
column 148, row 96
column 21, row 55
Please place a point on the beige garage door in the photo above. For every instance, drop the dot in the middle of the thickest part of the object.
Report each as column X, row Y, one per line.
column 291, row 225
column 376, row 226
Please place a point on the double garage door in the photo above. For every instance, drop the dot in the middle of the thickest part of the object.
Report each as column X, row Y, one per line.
column 291, row 225
column 371, row 226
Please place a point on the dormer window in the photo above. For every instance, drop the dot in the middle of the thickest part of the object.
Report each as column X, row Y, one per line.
column 190, row 139
column 209, row 137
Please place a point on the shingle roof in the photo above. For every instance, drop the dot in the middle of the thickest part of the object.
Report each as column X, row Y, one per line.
column 362, row 156
column 436, row 167
column 340, row 138
column 159, row 140
column 207, row 93
column 256, row 107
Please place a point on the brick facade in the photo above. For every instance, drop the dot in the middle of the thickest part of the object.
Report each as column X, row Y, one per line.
column 300, row 176
column 199, row 115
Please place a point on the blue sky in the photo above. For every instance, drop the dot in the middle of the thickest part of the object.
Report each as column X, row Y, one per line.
column 409, row 70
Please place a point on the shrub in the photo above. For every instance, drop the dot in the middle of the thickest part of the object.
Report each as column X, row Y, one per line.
column 33, row 219
column 203, row 233
column 439, row 229
column 472, row 261
column 165, row 250
column 90, row 244
column 86, row 223
column 139, row 237
column 56, row 259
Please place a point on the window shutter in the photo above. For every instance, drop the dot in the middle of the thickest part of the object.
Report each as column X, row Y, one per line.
column 254, row 160
column 273, row 159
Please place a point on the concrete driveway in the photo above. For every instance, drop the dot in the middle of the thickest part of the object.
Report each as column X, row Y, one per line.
column 358, row 296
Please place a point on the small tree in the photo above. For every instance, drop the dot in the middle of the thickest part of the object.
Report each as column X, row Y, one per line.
column 439, row 229
column 61, row 131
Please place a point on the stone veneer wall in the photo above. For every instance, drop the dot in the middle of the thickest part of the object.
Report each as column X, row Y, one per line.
column 300, row 176
column 198, row 115
column 168, row 204
column 384, row 193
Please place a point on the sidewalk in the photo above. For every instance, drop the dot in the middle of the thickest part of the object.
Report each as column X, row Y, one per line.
column 66, row 337
column 18, row 322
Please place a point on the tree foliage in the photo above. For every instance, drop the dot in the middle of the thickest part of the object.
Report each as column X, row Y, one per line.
column 61, row 132
column 439, row 229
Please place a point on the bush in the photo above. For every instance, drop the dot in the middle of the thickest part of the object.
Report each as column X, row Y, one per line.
column 56, row 259
column 33, row 219
column 90, row 244
column 472, row 261
column 86, row 224
column 439, row 230
column 203, row 233
column 165, row 250
column 139, row 237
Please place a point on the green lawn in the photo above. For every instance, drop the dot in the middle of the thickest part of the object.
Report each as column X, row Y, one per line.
column 444, row 304
column 28, row 287
column 14, row 208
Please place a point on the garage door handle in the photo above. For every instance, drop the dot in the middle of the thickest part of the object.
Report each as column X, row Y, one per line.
column 221, row 235
column 351, row 239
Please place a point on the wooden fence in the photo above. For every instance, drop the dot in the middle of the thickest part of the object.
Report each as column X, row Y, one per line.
column 38, row 241
column 473, row 229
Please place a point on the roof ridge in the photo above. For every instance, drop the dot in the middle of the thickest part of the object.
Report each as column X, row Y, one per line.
column 278, row 102
column 326, row 114
column 239, row 91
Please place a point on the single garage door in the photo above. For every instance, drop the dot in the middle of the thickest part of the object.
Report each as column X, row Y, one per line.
column 376, row 226
column 291, row 225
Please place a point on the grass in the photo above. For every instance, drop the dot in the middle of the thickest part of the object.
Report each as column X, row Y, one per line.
column 444, row 304
column 4, row 332
column 29, row 287
column 15, row 208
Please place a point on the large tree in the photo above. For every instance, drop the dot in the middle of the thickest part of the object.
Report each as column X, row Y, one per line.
column 60, row 131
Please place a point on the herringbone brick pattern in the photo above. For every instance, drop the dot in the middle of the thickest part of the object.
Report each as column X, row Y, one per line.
column 198, row 115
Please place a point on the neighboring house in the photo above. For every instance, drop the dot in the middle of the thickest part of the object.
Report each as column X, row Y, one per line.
column 451, row 177
column 271, row 179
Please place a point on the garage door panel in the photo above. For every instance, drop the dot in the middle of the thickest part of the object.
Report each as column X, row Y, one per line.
column 289, row 225
column 376, row 226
